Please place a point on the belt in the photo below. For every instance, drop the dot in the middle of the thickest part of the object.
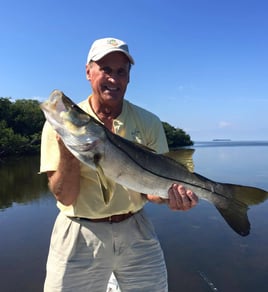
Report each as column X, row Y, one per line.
column 110, row 219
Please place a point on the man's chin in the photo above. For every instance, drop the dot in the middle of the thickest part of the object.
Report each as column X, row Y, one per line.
column 112, row 97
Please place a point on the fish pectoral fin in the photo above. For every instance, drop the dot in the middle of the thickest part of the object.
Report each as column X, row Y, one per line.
column 107, row 186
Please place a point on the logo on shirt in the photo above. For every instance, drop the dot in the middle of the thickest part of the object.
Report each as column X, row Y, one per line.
column 136, row 136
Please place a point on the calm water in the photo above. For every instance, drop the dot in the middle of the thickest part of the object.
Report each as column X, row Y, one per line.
column 202, row 252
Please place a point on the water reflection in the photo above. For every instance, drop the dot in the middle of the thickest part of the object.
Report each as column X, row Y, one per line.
column 184, row 156
column 231, row 200
column 199, row 246
column 27, row 217
column 20, row 182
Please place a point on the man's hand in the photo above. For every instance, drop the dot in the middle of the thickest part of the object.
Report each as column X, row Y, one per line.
column 180, row 198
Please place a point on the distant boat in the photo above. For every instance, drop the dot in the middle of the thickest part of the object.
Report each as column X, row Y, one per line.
column 221, row 140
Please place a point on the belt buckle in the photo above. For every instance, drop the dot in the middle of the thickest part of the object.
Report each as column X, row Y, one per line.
column 110, row 219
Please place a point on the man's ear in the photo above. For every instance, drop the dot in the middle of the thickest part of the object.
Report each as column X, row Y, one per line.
column 88, row 72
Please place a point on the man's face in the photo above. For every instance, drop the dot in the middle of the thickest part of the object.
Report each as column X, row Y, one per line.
column 109, row 77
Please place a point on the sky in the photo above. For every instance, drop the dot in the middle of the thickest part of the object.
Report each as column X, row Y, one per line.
column 200, row 65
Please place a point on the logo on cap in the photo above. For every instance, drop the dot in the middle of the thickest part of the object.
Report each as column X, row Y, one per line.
column 112, row 42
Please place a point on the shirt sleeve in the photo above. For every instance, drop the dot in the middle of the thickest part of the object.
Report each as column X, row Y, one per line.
column 49, row 158
column 157, row 137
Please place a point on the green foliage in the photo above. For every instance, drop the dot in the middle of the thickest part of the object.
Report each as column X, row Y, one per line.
column 28, row 118
column 5, row 106
column 21, row 124
column 176, row 137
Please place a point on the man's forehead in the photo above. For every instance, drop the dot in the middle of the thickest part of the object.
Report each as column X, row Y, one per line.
column 115, row 59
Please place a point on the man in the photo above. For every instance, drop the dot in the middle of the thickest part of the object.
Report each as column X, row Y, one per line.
column 92, row 238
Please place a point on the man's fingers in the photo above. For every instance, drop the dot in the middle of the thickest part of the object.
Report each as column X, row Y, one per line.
column 180, row 198
column 173, row 200
column 193, row 197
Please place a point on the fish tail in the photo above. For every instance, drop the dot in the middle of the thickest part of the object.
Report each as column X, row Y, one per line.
column 235, row 207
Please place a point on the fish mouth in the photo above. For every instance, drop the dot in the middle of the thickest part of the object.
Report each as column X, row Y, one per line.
column 69, row 105
column 75, row 114
column 81, row 148
column 85, row 147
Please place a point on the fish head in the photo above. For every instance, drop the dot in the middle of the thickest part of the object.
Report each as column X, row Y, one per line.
column 61, row 112
column 73, row 125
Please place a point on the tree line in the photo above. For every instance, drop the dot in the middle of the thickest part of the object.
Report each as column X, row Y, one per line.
column 21, row 124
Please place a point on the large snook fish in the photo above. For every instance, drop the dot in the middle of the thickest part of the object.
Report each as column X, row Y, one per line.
column 136, row 167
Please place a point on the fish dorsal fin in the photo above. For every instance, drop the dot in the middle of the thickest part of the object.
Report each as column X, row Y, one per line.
column 144, row 147
column 107, row 186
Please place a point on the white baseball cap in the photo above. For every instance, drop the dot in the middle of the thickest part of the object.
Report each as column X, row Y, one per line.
column 105, row 46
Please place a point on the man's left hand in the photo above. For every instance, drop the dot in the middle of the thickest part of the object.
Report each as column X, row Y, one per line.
column 180, row 198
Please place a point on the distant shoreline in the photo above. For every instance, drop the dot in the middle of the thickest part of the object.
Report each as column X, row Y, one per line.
column 229, row 143
column 221, row 140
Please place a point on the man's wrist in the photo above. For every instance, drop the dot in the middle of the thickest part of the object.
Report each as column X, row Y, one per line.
column 156, row 199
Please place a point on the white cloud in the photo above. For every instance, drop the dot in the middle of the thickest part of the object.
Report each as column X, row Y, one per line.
column 224, row 124
column 39, row 98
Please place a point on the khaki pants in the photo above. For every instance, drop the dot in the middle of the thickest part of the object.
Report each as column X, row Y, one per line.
column 83, row 255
